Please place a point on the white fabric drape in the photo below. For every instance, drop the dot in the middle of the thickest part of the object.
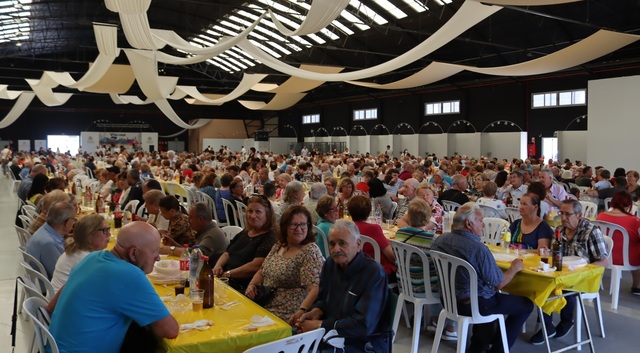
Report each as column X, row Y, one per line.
column 320, row 15
column 21, row 105
column 278, row 102
column 469, row 14
column 297, row 84
column 128, row 99
column 45, row 93
column 5, row 93
column 145, row 68
column 526, row 2
column 598, row 44
column 135, row 23
column 166, row 108
column 248, row 80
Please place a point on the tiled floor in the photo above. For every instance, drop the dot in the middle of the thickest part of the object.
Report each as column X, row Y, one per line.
column 621, row 325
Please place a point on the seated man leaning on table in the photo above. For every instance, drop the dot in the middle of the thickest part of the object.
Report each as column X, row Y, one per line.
column 581, row 238
column 353, row 294
column 92, row 313
column 465, row 242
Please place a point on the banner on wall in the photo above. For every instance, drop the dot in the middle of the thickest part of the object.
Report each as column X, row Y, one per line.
column 127, row 139
column 149, row 141
column 24, row 145
column 38, row 144
column 89, row 141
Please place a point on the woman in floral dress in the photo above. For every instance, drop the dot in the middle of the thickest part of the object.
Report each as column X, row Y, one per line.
column 292, row 267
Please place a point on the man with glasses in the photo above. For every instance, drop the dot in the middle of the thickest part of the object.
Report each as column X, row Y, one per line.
column 582, row 238
column 108, row 304
column 47, row 243
column 353, row 294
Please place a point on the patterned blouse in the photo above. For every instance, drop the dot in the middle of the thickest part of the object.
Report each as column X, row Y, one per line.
column 180, row 230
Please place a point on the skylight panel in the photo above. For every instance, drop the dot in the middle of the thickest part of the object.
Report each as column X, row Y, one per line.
column 416, row 5
column 232, row 25
column 329, row 34
column 280, row 47
column 367, row 12
column 353, row 19
column 265, row 48
column 224, row 30
column 396, row 12
column 342, row 28
column 301, row 40
column 213, row 33
column 237, row 63
column 213, row 62
column 294, row 47
column 316, row 38
column 208, row 39
column 225, row 62
column 257, row 36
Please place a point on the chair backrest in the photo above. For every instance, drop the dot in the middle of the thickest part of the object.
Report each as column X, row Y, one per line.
column 203, row 197
column 43, row 336
column 242, row 212
column 41, row 281
column 608, row 241
column 231, row 231
column 406, row 256
column 492, row 229
column 30, row 211
column 608, row 229
column 325, row 240
column 23, row 235
column 89, row 174
column 30, row 289
column 307, row 342
column 142, row 211
column 131, row 206
column 583, row 189
column 228, row 207
column 26, row 221
column 589, row 209
column 489, row 211
column 364, row 239
column 394, row 207
column 607, row 201
column 450, row 205
column 192, row 198
column 449, row 267
column 513, row 214
column 35, row 263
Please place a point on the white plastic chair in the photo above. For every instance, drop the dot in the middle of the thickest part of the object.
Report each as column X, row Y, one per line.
column 228, row 207
column 242, row 212
column 307, row 342
column 489, row 211
column 590, row 209
column 41, row 281
column 607, row 201
column 450, row 205
column 448, row 266
column 26, row 221
column 30, row 211
column 231, row 231
column 608, row 230
column 404, row 254
column 212, row 206
column 35, row 263
column 492, row 230
column 513, row 214
column 394, row 207
column 131, row 206
column 325, row 241
column 23, row 235
column 364, row 239
column 43, row 336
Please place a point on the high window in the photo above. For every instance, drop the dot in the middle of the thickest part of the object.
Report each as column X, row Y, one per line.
column 559, row 99
column 311, row 119
column 365, row 114
column 452, row 107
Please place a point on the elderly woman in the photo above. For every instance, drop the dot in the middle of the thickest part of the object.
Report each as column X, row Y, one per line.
column 179, row 231
column 249, row 248
column 91, row 233
column 632, row 184
column 327, row 209
column 105, row 183
column 331, row 183
column 437, row 212
column 360, row 208
column 49, row 199
column 293, row 195
column 489, row 198
column 292, row 267
column 152, row 203
column 531, row 231
column 346, row 189
column 620, row 214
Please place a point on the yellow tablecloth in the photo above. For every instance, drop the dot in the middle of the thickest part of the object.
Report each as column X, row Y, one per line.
column 227, row 335
column 539, row 286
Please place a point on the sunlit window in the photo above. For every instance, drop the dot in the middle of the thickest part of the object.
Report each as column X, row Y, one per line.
column 365, row 114
column 559, row 99
column 436, row 108
column 311, row 119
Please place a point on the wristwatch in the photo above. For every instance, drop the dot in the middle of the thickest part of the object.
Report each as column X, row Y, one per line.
column 172, row 248
column 228, row 274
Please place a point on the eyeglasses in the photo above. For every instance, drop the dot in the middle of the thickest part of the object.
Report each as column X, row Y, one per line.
column 302, row 226
column 566, row 214
column 104, row 230
column 333, row 208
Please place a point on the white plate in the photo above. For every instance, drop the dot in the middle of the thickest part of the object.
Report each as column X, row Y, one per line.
column 574, row 261
column 504, row 257
column 167, row 267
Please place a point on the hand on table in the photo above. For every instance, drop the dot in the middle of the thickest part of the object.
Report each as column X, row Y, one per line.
column 517, row 265
column 251, row 291
column 217, row 271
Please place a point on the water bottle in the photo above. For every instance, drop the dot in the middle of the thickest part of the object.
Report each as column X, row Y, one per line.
column 194, row 266
column 446, row 223
column 505, row 239
column 184, row 262
column 378, row 215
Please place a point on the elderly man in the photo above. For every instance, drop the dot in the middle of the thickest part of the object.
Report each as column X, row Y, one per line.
column 47, row 243
column 353, row 293
column 134, row 181
column 409, row 190
column 581, row 238
column 93, row 313
column 263, row 176
column 514, row 187
column 465, row 242
column 456, row 193
column 555, row 193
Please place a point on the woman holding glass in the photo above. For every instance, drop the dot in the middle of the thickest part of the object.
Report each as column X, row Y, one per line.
column 620, row 214
column 531, row 231
column 293, row 267
column 250, row 247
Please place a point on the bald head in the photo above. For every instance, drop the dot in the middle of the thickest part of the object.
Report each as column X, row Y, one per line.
column 139, row 244
column 38, row 169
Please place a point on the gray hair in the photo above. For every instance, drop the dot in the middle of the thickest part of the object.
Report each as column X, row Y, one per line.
column 291, row 189
column 548, row 172
column 343, row 223
column 457, row 179
column 153, row 197
column 60, row 212
column 317, row 191
column 202, row 210
column 466, row 212
column 577, row 206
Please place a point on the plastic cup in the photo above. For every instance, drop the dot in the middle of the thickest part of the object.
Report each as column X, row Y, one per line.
column 389, row 223
column 197, row 298
column 179, row 288
column 544, row 255
column 221, row 288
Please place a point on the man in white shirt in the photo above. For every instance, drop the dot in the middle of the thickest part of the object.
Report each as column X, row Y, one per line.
column 555, row 193
column 515, row 187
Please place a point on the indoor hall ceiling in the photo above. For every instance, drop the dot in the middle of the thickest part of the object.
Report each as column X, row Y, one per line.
column 60, row 38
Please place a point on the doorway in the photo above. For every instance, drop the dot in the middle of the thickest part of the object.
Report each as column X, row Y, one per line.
column 550, row 148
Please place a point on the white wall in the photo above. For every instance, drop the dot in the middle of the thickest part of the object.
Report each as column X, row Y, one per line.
column 409, row 142
column 280, row 145
column 504, row 145
column 359, row 144
column 573, row 145
column 89, row 141
column 379, row 144
column 433, row 143
column 148, row 139
column 612, row 123
column 469, row 144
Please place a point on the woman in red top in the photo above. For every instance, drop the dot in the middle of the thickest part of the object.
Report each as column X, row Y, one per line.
column 359, row 208
column 621, row 204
